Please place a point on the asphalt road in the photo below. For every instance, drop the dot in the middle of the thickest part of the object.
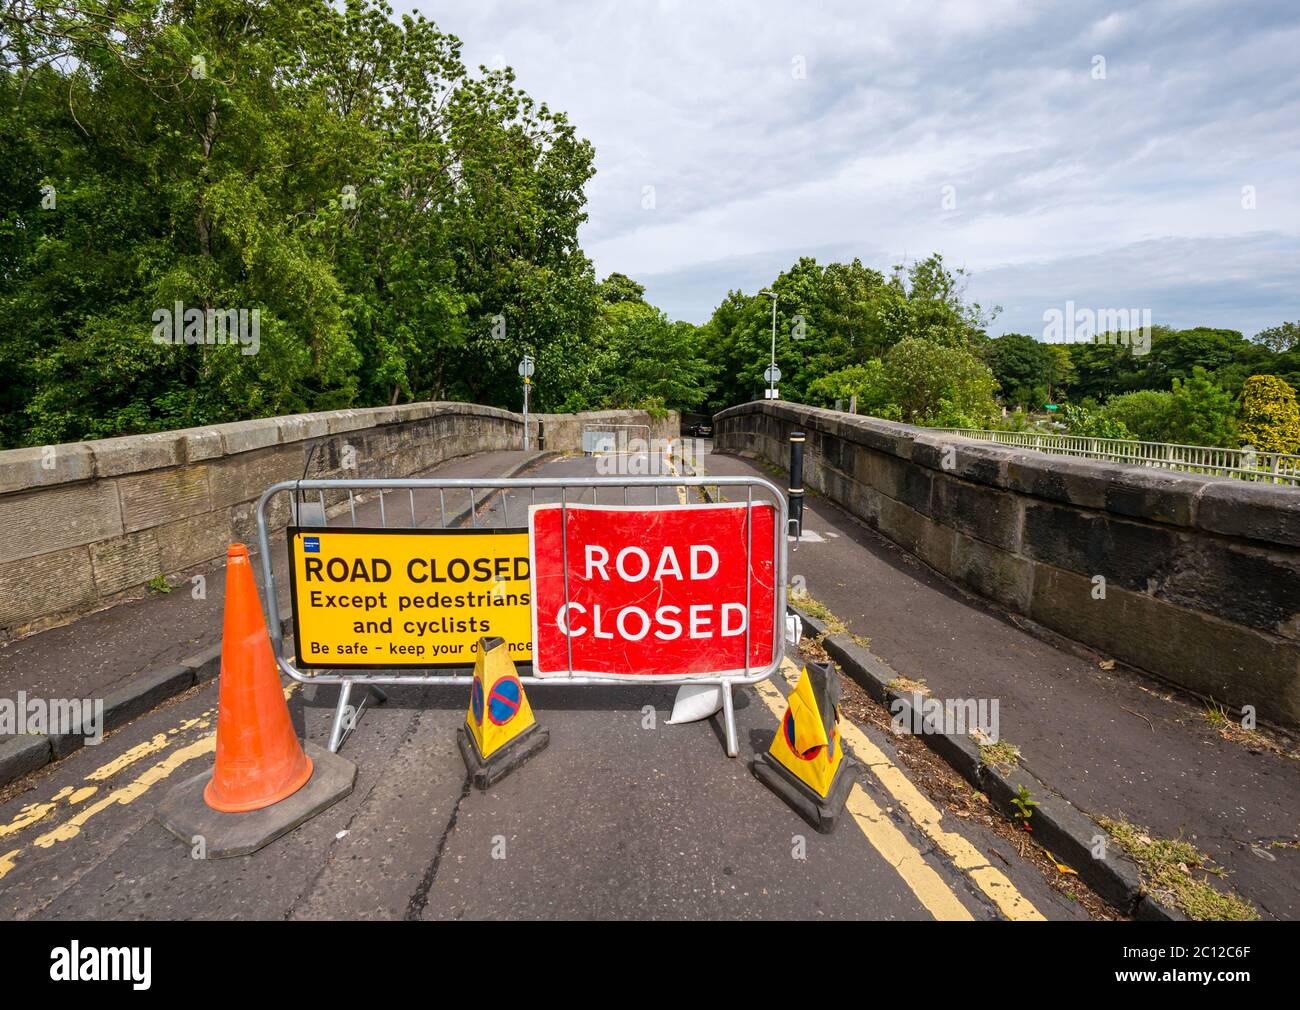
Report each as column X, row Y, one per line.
column 623, row 816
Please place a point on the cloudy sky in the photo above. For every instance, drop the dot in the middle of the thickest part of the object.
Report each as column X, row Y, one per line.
column 1142, row 155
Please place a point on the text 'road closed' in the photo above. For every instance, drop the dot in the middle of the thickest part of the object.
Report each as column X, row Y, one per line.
column 656, row 591
column 375, row 598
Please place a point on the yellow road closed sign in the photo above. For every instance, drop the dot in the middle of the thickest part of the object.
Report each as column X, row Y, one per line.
column 380, row 598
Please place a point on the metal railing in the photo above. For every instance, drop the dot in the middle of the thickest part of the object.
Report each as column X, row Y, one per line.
column 601, row 438
column 430, row 504
column 1243, row 464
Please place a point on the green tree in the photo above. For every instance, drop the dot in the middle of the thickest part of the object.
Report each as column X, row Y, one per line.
column 934, row 307
column 866, row 381
column 831, row 318
column 639, row 358
column 1282, row 337
column 405, row 228
column 1060, row 370
column 621, row 288
column 1106, row 370
column 1146, row 413
column 1079, row 420
column 940, row 386
column 1024, row 367
column 1202, row 412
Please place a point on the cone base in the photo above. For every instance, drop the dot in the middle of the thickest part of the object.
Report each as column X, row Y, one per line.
column 820, row 812
column 483, row 772
column 185, row 813
column 211, row 798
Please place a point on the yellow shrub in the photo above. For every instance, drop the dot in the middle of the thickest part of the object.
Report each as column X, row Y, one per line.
column 1270, row 417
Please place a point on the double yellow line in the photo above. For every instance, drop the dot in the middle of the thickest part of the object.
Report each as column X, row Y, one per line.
column 70, row 799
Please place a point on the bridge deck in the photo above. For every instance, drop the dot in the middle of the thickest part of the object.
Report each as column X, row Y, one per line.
column 621, row 821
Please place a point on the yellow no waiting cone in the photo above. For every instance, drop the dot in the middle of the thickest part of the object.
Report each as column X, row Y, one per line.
column 500, row 732
column 806, row 765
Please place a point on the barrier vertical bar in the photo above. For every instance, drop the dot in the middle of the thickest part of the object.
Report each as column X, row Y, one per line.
column 779, row 578
column 564, row 556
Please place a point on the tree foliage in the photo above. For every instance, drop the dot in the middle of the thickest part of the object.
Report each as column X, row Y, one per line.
column 1194, row 411
column 638, row 358
column 381, row 206
column 1283, row 337
column 833, row 317
column 1023, row 367
column 917, row 381
column 1270, row 418
column 1146, row 413
column 1080, row 420
column 405, row 228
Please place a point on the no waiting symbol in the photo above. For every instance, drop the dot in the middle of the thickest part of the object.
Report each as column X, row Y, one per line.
column 503, row 702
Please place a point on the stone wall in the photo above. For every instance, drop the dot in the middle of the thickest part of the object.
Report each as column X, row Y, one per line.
column 1202, row 574
column 89, row 523
column 563, row 432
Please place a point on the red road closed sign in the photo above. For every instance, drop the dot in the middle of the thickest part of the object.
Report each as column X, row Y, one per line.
column 652, row 591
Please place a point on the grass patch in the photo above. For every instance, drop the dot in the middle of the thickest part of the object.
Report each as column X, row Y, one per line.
column 159, row 584
column 906, row 685
column 1003, row 754
column 815, row 608
column 1169, row 868
column 1230, row 728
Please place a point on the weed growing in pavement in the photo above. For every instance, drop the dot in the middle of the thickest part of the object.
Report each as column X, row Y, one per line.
column 1169, row 866
column 1002, row 754
column 804, row 600
column 1238, row 731
column 1024, row 807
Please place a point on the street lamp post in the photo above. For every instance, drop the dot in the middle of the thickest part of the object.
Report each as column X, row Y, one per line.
column 772, row 374
column 526, row 372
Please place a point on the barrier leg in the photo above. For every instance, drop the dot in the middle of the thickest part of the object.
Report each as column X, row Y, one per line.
column 729, row 720
column 340, row 717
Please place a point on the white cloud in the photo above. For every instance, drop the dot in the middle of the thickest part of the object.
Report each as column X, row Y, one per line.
column 1057, row 175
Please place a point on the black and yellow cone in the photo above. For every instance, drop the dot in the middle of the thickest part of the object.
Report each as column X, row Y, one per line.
column 806, row 765
column 500, row 732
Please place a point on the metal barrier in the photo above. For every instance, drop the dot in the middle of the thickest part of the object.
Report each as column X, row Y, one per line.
column 568, row 491
column 1244, row 464
column 607, row 438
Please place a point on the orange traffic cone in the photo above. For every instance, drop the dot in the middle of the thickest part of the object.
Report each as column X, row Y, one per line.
column 259, row 758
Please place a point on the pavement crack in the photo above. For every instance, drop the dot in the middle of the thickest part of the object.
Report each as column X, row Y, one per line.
column 415, row 907
column 360, row 808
